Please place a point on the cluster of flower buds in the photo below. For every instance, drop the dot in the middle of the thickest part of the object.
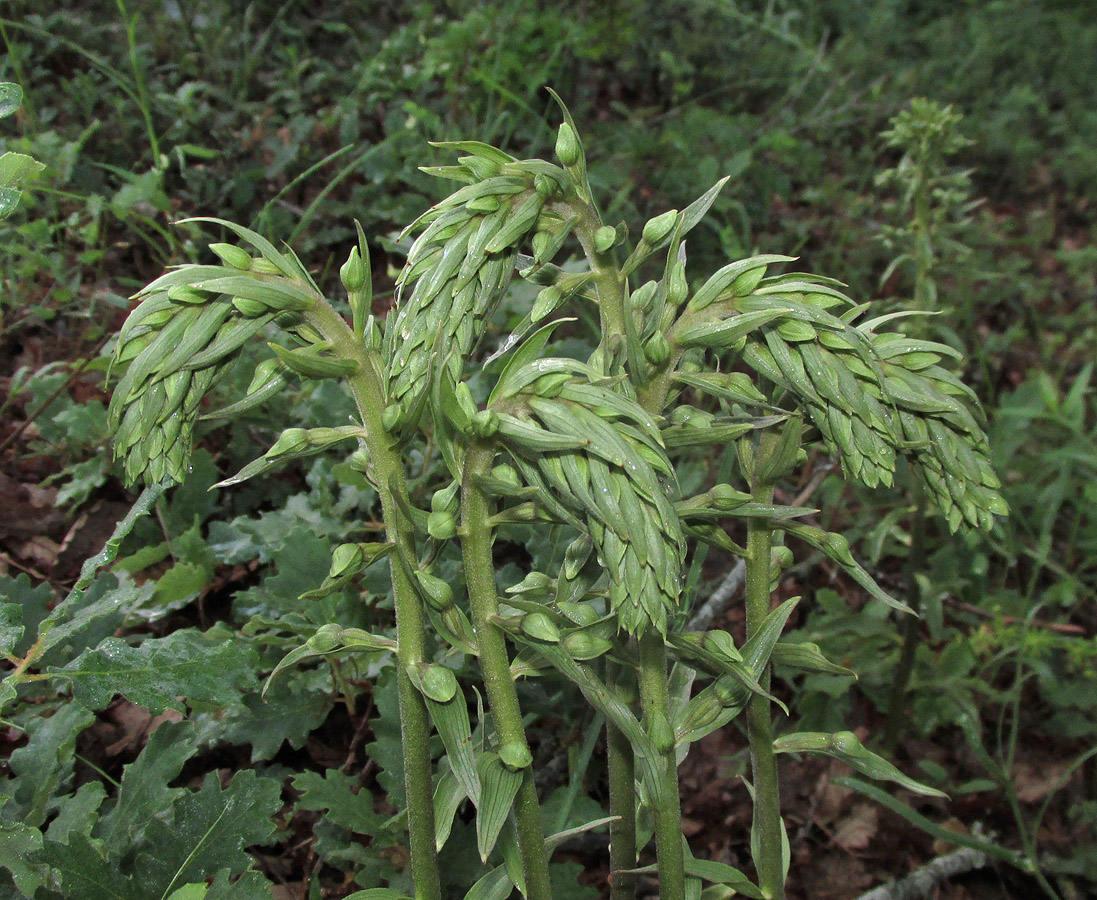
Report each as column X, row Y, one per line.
column 461, row 264
column 872, row 396
column 599, row 455
column 189, row 325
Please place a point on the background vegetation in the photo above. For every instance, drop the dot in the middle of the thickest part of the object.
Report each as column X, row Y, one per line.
column 299, row 117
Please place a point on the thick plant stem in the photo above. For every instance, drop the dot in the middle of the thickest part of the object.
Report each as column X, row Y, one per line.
column 387, row 475
column 667, row 813
column 612, row 310
column 767, row 828
column 893, row 727
column 622, row 797
column 476, row 539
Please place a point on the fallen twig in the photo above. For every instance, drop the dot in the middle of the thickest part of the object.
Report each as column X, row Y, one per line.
column 922, row 882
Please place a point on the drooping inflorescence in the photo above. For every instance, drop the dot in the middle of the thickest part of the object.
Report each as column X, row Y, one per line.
column 461, row 265
column 610, row 469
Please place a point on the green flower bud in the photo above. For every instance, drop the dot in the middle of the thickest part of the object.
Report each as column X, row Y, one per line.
column 230, row 255
column 292, row 440
column 544, row 185
column 437, row 592
column 326, row 639
column 353, row 272
column 838, row 546
column 604, row 238
column 480, row 167
column 747, row 282
column 346, row 558
column 582, row 645
column 702, row 711
column 540, row 243
column 441, row 525
column 184, row 293
column 643, row 296
column 515, row 755
column 547, row 300
column 568, row 149
column 658, row 228
column 359, row 460
column 724, row 688
column 483, row 205
column 726, row 495
column 252, row 309
column 657, row 349
column 677, row 286
column 579, row 613
column 439, row 683
column 485, row 423
column 662, row 735
column 534, row 582
column 391, row 417
column 540, row 627
column 506, row 473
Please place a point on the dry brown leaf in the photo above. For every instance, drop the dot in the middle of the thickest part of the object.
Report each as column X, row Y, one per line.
column 858, row 827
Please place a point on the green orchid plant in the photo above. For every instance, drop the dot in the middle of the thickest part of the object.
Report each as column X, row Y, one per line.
column 588, row 449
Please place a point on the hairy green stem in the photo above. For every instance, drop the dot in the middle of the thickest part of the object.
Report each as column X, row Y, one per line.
column 668, row 813
column 767, row 827
column 622, row 795
column 389, row 479
column 612, row 291
column 476, row 540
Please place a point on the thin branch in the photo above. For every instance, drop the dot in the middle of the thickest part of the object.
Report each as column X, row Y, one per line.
column 721, row 598
column 924, row 881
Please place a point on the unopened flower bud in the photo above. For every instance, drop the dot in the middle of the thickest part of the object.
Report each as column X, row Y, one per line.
column 568, row 150
column 231, row 255
column 658, row 228
column 604, row 238
column 353, row 272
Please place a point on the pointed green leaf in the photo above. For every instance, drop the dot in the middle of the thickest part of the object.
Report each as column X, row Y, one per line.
column 807, row 657
column 845, row 746
column 498, row 788
column 495, row 885
column 836, row 547
column 948, row 835
column 727, row 333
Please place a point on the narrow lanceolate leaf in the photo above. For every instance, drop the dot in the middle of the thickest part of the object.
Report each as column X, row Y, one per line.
column 836, row 547
column 328, row 640
column 845, row 746
column 294, row 443
column 451, row 719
